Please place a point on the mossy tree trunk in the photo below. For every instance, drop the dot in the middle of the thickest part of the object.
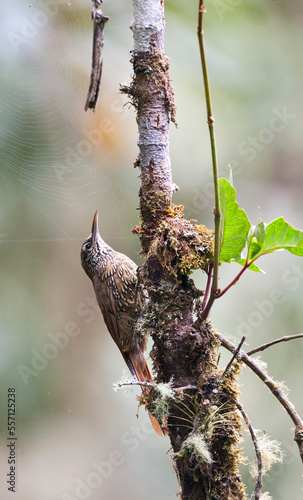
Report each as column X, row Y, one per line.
column 202, row 418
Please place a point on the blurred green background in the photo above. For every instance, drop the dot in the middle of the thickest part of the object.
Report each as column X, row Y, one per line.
column 59, row 164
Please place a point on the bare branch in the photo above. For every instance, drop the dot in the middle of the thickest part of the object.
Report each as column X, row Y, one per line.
column 133, row 382
column 256, row 444
column 208, row 285
column 97, row 60
column 273, row 387
column 185, row 388
column 150, row 384
column 277, row 341
column 234, row 357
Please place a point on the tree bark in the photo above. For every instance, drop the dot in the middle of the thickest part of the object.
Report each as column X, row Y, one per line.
column 197, row 402
column 152, row 96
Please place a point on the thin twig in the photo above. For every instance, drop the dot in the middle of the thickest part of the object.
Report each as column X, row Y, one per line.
column 273, row 387
column 151, row 384
column 256, row 444
column 234, row 281
column 210, row 121
column 208, row 285
column 134, row 382
column 184, row 388
column 97, row 59
column 233, row 357
column 277, row 341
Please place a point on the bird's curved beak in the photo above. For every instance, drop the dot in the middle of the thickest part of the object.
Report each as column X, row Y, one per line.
column 95, row 228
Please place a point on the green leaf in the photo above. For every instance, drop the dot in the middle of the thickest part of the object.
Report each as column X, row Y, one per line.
column 259, row 232
column 278, row 235
column 255, row 239
column 234, row 226
column 254, row 249
column 252, row 266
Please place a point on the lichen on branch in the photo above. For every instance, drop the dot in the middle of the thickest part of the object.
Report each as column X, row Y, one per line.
column 152, row 96
column 180, row 245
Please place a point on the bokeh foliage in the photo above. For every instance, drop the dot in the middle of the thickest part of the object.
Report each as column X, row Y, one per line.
column 59, row 164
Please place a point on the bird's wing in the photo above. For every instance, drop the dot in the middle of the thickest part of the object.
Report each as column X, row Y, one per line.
column 118, row 299
column 107, row 305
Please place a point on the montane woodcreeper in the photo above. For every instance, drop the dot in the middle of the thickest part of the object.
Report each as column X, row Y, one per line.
column 114, row 278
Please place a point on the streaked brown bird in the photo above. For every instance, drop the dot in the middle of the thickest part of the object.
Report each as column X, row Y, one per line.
column 114, row 278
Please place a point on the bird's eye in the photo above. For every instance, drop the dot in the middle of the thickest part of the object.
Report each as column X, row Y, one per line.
column 88, row 246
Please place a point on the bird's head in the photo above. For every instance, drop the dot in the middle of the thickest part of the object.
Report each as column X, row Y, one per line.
column 91, row 249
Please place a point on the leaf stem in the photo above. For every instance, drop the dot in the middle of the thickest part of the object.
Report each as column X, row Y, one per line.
column 208, row 284
column 210, row 121
column 234, row 281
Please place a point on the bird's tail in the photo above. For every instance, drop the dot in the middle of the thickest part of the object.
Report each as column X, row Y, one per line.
column 139, row 368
